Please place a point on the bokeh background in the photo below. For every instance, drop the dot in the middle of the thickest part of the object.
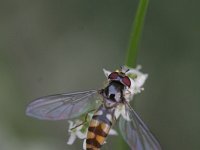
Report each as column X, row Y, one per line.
column 49, row 47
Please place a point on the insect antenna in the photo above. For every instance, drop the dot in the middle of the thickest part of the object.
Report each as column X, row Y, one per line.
column 124, row 69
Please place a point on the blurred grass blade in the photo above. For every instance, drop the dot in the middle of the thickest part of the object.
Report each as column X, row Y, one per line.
column 136, row 33
column 132, row 51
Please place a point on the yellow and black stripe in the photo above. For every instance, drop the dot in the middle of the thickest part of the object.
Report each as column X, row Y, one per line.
column 99, row 128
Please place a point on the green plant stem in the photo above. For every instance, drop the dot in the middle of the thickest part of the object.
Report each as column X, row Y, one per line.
column 132, row 51
column 136, row 31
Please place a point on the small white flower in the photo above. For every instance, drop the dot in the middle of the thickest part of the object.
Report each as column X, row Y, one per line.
column 76, row 132
column 106, row 72
column 138, row 81
column 84, row 144
column 113, row 132
column 121, row 111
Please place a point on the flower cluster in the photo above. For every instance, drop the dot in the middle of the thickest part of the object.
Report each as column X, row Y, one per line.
column 79, row 130
column 75, row 130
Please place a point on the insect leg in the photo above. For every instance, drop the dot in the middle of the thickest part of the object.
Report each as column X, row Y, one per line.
column 85, row 120
column 110, row 107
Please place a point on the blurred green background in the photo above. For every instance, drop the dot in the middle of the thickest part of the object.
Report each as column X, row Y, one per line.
column 49, row 47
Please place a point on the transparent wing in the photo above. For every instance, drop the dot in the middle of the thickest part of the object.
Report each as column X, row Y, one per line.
column 136, row 133
column 62, row 106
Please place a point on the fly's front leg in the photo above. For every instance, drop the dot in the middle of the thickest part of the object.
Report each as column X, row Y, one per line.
column 112, row 106
column 85, row 120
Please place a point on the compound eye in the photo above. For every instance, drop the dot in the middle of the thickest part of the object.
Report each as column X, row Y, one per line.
column 113, row 76
column 126, row 81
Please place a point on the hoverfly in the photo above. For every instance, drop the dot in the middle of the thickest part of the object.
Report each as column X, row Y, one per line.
column 116, row 95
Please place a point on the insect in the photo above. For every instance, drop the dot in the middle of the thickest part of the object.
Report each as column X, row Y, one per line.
column 115, row 96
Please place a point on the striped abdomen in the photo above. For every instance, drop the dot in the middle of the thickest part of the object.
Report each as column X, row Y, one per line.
column 99, row 128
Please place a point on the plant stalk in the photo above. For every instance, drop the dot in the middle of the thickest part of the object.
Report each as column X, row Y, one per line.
column 131, row 56
column 136, row 31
